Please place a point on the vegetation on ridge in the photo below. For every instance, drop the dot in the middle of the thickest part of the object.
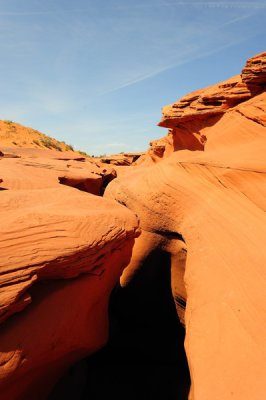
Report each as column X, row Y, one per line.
column 13, row 134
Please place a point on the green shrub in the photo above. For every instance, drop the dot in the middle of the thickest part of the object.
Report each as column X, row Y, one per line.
column 83, row 153
column 56, row 146
column 69, row 147
column 46, row 142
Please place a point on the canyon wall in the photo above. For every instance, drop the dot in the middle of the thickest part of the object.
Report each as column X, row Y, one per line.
column 203, row 204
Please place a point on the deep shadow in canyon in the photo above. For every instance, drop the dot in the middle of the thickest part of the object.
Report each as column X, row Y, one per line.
column 144, row 358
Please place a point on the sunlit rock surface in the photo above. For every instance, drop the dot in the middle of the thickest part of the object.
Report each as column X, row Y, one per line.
column 190, row 119
column 206, row 209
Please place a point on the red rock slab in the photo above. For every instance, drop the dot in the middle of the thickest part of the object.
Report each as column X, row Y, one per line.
column 95, row 167
column 117, row 160
column 62, row 251
column 10, row 155
column 86, row 182
column 37, row 173
column 91, row 179
column 28, row 173
column 79, row 159
column 122, row 159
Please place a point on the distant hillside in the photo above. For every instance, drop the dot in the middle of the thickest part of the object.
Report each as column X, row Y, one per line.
column 16, row 135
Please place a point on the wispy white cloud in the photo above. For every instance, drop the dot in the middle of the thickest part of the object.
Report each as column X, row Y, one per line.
column 208, row 35
column 198, row 4
column 235, row 20
column 217, row 4
column 183, row 60
column 139, row 78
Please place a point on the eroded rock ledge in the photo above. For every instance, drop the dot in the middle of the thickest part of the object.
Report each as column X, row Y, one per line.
column 189, row 119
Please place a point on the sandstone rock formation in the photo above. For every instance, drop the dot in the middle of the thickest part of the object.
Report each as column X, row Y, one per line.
column 199, row 194
column 190, row 118
column 62, row 252
column 206, row 209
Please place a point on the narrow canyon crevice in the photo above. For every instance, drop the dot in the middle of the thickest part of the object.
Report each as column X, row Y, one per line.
column 144, row 358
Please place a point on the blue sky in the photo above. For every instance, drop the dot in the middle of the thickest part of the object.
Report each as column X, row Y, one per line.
column 96, row 73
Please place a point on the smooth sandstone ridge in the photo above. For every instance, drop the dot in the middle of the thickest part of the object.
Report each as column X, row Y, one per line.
column 203, row 203
column 62, row 252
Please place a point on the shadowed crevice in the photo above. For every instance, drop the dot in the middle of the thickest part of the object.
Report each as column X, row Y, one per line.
column 145, row 357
